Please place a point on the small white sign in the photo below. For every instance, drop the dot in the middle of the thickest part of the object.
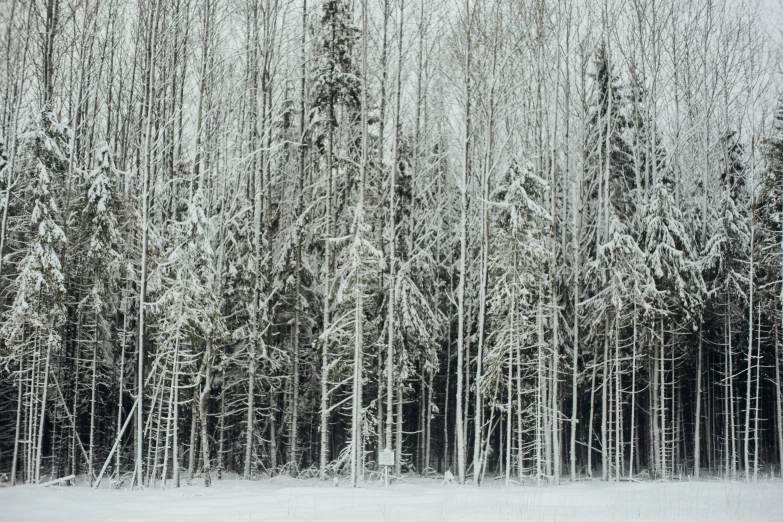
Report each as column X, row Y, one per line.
column 386, row 458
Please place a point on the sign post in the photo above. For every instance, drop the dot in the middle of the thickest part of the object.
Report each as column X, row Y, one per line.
column 386, row 459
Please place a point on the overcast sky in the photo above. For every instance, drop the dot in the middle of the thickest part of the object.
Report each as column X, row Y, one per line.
column 773, row 9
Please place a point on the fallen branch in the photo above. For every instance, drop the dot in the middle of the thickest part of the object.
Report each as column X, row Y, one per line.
column 57, row 481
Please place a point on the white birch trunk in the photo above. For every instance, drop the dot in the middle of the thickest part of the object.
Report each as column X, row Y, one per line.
column 590, row 421
column 757, row 405
column 293, row 451
column 463, row 255
column 206, row 390
column 749, row 374
column 153, row 17
column 662, row 404
column 357, row 420
column 604, row 404
column 779, row 404
column 697, row 419
column 633, row 395
column 93, row 389
column 508, row 415
column 15, row 458
column 42, row 417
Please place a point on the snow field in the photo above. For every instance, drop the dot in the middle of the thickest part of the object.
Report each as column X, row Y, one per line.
column 414, row 500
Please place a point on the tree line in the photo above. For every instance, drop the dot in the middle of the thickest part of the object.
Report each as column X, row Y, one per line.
column 538, row 240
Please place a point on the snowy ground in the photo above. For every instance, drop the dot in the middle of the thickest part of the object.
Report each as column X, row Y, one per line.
column 416, row 499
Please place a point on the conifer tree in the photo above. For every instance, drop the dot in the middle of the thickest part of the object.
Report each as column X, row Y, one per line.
column 32, row 323
column 336, row 92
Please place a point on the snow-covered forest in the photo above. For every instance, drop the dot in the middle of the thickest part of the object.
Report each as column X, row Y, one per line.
column 533, row 240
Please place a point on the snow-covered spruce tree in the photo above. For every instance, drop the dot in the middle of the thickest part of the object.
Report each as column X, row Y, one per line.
column 518, row 267
column 295, row 242
column 336, row 90
column 770, row 217
column 609, row 154
column 680, row 289
column 190, row 322
column 101, row 270
column 726, row 256
column 610, row 207
column 32, row 324
column 415, row 293
column 359, row 265
column 628, row 286
column 647, row 159
column 238, row 293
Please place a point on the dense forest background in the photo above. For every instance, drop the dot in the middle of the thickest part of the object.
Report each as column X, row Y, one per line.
column 535, row 239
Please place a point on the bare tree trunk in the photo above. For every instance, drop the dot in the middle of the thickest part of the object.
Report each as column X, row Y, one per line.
column 446, row 460
column 326, row 311
column 153, row 450
column 206, row 390
column 590, row 422
column 540, row 389
column 478, row 422
column 633, row 396
column 463, row 254
column 508, row 411
column 778, row 401
column 169, row 412
column 121, row 382
column 618, row 398
column 39, row 444
column 575, row 360
column 393, row 239
column 75, row 405
column 697, row 419
column 255, row 343
column 293, row 450
column 778, row 393
column 749, row 378
column 357, row 412
column 273, row 449
column 555, row 413
column 93, row 388
column 192, row 450
column 149, row 101
column 32, row 412
column 757, row 405
column 732, row 468
column 520, row 431
column 604, row 404
column 662, row 389
column 222, row 428
column 52, row 16
column 398, row 433
column 175, row 431
column 15, row 458
column 428, row 426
